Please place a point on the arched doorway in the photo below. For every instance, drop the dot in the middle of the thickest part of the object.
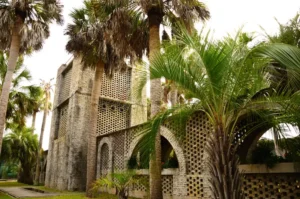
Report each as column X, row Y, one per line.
column 168, row 157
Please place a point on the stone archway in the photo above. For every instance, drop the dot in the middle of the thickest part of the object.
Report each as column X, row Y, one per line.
column 171, row 138
column 105, row 153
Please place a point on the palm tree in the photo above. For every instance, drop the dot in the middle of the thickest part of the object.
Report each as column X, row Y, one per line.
column 20, row 146
column 37, row 105
column 21, row 98
column 91, row 36
column 47, row 86
column 157, row 11
column 225, row 81
column 122, row 182
column 24, row 25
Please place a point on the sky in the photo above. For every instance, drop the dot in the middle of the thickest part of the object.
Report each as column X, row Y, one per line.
column 227, row 16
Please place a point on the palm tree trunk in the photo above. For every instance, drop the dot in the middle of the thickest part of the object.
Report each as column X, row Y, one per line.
column 173, row 94
column 225, row 180
column 91, row 153
column 25, row 174
column 11, row 65
column 33, row 121
column 155, row 18
column 38, row 168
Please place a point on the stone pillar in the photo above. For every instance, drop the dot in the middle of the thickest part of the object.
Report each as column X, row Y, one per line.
column 53, row 130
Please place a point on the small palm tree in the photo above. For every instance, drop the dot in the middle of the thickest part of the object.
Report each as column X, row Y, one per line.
column 122, row 182
column 24, row 26
column 21, row 146
column 226, row 82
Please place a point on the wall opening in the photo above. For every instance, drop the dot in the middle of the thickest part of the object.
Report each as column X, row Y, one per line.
column 168, row 155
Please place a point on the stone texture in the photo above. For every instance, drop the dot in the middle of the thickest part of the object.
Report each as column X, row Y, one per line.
column 117, row 139
column 66, row 168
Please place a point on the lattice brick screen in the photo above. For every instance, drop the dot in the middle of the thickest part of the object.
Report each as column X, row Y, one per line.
column 112, row 116
column 195, row 186
column 119, row 159
column 272, row 186
column 118, row 86
column 63, row 118
column 167, row 184
column 198, row 128
column 131, row 135
column 65, row 85
column 140, row 187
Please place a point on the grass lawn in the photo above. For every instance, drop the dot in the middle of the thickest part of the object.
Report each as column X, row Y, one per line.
column 11, row 184
column 72, row 195
column 3, row 196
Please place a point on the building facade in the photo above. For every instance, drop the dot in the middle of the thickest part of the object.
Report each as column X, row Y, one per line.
column 120, row 118
column 66, row 168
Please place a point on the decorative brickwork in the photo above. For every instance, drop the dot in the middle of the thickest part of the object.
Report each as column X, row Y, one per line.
column 167, row 184
column 272, row 186
column 112, row 116
column 66, row 82
column 119, row 146
column 117, row 87
column 140, row 187
column 197, row 130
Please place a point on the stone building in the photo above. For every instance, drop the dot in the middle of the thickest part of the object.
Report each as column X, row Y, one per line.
column 120, row 119
column 66, row 168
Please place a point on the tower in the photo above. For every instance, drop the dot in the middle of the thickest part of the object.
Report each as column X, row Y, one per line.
column 118, row 109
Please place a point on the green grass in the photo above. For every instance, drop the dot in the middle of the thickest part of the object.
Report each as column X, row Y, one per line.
column 77, row 196
column 64, row 194
column 4, row 196
column 11, row 184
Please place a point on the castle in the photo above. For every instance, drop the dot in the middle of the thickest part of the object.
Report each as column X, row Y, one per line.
column 120, row 118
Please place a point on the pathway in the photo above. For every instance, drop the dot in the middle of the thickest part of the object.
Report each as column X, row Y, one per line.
column 22, row 192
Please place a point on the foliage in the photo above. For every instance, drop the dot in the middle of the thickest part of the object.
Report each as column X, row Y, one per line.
column 71, row 196
column 21, row 98
column 120, row 181
column 89, row 30
column 227, row 83
column 35, row 16
column 20, row 146
column 264, row 154
column 8, row 170
column 289, row 33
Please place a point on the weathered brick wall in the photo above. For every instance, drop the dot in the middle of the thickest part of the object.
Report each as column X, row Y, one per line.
column 66, row 169
column 190, row 180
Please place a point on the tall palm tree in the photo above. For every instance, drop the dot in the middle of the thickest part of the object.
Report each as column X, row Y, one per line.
column 156, row 11
column 225, row 81
column 24, row 25
column 92, row 36
column 20, row 146
column 47, row 86
column 21, row 98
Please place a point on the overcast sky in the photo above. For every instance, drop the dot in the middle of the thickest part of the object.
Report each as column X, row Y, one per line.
column 227, row 16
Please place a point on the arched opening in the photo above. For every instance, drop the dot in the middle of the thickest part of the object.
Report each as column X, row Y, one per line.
column 271, row 146
column 104, row 160
column 169, row 158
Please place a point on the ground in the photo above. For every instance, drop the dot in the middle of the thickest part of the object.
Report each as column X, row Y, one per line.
column 73, row 195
